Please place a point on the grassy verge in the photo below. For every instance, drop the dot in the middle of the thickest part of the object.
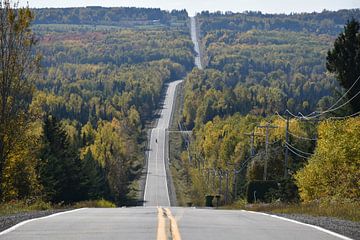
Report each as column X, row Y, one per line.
column 14, row 207
column 23, row 206
column 95, row 204
column 345, row 210
column 175, row 149
column 177, row 170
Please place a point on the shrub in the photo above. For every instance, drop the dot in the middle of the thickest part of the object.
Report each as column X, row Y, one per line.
column 260, row 189
column 102, row 203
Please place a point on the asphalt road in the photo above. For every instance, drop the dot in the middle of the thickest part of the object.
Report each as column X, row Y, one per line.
column 194, row 38
column 156, row 188
column 154, row 223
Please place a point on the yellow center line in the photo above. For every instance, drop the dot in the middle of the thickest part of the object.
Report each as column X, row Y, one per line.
column 173, row 225
column 161, row 230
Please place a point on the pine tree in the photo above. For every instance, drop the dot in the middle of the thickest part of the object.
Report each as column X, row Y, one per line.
column 60, row 167
column 344, row 61
column 93, row 182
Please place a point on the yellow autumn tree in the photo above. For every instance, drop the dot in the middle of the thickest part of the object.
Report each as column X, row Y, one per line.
column 333, row 172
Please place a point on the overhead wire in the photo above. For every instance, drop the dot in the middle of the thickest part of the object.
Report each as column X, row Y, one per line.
column 330, row 109
column 299, row 155
column 358, row 78
column 344, row 117
column 296, row 149
column 300, row 137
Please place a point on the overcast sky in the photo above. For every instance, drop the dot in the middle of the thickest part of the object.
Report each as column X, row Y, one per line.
column 192, row 6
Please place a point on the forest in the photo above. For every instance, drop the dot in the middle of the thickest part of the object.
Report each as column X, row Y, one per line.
column 76, row 101
column 264, row 109
column 121, row 16
column 89, row 101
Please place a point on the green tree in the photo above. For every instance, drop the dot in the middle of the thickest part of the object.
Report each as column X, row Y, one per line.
column 93, row 182
column 60, row 167
column 17, row 64
column 344, row 61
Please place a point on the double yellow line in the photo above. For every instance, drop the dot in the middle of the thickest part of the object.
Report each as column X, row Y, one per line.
column 167, row 225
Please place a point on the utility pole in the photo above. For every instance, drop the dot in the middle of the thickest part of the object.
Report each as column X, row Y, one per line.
column 252, row 140
column 235, row 183
column 267, row 127
column 286, row 147
column 214, row 185
column 227, row 186
column 220, row 181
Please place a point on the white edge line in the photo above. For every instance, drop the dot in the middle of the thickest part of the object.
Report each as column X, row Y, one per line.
column 147, row 170
column 36, row 219
column 304, row 224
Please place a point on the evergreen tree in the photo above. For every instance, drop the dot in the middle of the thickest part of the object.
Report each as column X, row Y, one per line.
column 344, row 60
column 93, row 182
column 60, row 166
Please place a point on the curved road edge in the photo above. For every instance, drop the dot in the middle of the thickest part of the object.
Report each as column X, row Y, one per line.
column 301, row 223
column 36, row 219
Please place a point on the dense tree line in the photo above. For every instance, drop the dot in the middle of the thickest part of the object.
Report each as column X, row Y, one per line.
column 326, row 22
column 121, row 16
column 258, row 65
column 88, row 105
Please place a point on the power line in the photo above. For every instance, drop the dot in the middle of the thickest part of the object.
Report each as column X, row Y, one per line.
column 281, row 117
column 330, row 109
column 289, row 145
column 339, row 98
column 334, row 109
column 344, row 117
column 297, row 154
column 300, row 137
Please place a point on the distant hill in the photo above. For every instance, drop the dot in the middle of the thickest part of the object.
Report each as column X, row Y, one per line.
column 119, row 16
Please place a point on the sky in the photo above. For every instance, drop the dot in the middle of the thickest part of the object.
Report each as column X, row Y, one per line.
column 193, row 6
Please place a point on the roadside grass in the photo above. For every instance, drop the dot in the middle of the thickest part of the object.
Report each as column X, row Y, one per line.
column 23, row 206
column 102, row 203
column 175, row 150
column 177, row 171
column 20, row 206
column 347, row 210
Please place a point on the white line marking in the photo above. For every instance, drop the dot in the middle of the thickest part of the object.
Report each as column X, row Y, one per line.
column 36, row 219
column 156, row 167
column 304, row 224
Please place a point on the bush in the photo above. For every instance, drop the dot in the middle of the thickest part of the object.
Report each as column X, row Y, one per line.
column 261, row 190
column 102, row 203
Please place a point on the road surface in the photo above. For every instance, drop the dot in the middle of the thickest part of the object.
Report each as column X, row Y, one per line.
column 147, row 223
column 156, row 188
column 195, row 40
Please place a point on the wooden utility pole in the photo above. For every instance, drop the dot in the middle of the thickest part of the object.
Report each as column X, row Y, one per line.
column 267, row 127
column 220, row 181
column 227, row 186
column 286, row 147
column 235, row 184
column 252, row 142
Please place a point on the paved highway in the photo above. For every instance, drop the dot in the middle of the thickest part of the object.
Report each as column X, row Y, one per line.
column 163, row 223
column 156, row 188
column 194, row 38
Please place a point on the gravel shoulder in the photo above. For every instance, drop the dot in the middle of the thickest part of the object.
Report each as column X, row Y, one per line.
column 8, row 221
column 347, row 228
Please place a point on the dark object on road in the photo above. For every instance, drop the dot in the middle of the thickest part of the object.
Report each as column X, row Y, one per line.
column 209, row 199
column 156, row 140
